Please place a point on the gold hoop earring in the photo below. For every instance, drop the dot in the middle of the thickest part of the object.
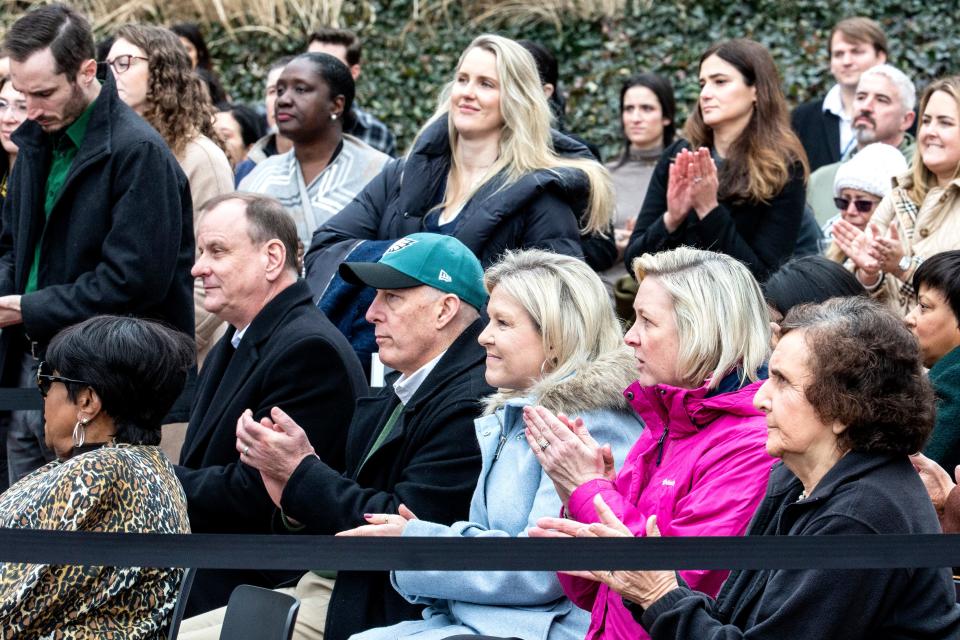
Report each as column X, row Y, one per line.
column 80, row 432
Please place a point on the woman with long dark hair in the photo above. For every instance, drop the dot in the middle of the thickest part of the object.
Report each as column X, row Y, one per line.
column 648, row 114
column 736, row 185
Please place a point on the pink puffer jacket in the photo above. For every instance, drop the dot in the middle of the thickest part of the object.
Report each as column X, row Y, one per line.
column 700, row 466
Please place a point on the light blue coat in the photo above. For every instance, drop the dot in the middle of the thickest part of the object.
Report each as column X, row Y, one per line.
column 512, row 493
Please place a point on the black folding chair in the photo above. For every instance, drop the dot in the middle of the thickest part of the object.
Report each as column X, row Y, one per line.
column 181, row 605
column 259, row 614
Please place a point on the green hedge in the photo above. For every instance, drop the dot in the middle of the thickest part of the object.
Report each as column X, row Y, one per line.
column 405, row 64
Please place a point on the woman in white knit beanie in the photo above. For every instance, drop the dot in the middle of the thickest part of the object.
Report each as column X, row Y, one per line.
column 860, row 185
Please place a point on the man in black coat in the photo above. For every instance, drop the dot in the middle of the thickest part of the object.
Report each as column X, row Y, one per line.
column 413, row 443
column 825, row 125
column 280, row 350
column 98, row 217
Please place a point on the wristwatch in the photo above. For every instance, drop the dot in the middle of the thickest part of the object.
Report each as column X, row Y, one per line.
column 904, row 264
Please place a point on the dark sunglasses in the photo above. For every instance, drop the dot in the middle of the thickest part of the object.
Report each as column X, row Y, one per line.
column 44, row 380
column 863, row 206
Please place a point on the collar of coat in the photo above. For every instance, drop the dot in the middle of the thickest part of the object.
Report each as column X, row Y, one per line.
column 262, row 326
column 99, row 129
column 429, row 162
column 465, row 353
column 594, row 386
column 687, row 411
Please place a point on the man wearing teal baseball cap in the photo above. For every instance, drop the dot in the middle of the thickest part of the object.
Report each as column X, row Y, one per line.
column 430, row 259
column 411, row 444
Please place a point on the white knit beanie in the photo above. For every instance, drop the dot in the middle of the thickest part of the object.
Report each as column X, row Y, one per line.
column 871, row 170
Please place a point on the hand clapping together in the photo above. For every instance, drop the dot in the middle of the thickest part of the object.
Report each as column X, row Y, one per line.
column 871, row 251
column 693, row 184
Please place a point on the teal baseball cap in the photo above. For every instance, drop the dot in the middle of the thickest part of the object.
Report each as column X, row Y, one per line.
column 431, row 259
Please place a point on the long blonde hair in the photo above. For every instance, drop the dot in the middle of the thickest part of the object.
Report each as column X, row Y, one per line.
column 922, row 178
column 568, row 304
column 525, row 140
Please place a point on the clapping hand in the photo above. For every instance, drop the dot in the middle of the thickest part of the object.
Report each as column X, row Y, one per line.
column 935, row 478
column 856, row 244
column 275, row 446
column 704, row 182
column 566, row 450
column 887, row 251
column 642, row 587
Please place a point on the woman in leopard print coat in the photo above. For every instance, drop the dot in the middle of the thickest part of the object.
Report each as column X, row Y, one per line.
column 107, row 383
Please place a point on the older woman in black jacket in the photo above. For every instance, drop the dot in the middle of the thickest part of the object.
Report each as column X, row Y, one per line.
column 844, row 443
column 486, row 169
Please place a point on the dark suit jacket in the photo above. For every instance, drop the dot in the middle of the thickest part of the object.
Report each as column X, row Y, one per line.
column 119, row 239
column 430, row 462
column 290, row 357
column 819, row 132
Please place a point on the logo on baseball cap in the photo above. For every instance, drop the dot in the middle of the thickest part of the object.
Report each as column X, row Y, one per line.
column 431, row 259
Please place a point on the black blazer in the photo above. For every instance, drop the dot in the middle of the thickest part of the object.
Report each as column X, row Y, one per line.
column 430, row 462
column 819, row 133
column 290, row 357
column 120, row 236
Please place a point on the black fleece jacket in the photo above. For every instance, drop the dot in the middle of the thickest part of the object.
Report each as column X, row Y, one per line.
column 863, row 493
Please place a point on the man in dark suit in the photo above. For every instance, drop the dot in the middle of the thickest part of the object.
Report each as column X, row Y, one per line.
column 280, row 350
column 825, row 125
column 98, row 217
column 413, row 443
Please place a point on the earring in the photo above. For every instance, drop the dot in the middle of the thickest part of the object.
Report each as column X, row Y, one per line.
column 333, row 116
column 80, row 431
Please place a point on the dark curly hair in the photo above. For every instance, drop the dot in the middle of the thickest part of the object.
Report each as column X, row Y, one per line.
column 137, row 367
column 179, row 106
column 866, row 373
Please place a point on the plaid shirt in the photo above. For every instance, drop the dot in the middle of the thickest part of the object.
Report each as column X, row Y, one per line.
column 373, row 132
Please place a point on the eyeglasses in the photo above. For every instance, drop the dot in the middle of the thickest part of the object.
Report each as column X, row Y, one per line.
column 17, row 108
column 122, row 63
column 44, row 380
column 863, row 206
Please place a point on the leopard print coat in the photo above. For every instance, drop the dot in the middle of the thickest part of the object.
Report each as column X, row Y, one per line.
column 117, row 488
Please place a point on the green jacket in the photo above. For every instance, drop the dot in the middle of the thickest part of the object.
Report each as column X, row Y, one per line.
column 944, row 444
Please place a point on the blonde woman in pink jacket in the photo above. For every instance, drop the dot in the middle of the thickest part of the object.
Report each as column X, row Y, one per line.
column 701, row 340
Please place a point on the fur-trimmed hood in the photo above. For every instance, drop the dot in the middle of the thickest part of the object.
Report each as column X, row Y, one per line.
column 598, row 386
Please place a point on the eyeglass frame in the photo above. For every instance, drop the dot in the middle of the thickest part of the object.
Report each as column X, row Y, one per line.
column 844, row 203
column 116, row 65
column 13, row 106
column 45, row 380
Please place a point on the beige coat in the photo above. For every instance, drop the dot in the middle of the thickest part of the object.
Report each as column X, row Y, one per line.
column 209, row 174
column 937, row 229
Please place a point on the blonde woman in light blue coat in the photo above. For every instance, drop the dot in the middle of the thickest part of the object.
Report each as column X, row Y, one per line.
column 552, row 340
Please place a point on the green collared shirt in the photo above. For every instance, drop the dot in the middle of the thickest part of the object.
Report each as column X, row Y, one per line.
column 65, row 147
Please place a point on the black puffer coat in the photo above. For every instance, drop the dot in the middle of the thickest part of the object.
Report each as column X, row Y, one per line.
column 540, row 210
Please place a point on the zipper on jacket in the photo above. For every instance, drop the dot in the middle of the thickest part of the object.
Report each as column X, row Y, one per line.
column 503, row 437
column 663, row 436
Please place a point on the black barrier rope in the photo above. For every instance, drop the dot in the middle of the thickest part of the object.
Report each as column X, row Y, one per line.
column 20, row 399
column 485, row 554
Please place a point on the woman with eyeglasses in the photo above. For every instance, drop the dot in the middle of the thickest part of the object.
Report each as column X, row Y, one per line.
column 921, row 215
column 13, row 111
column 107, row 383
column 152, row 72
column 858, row 187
